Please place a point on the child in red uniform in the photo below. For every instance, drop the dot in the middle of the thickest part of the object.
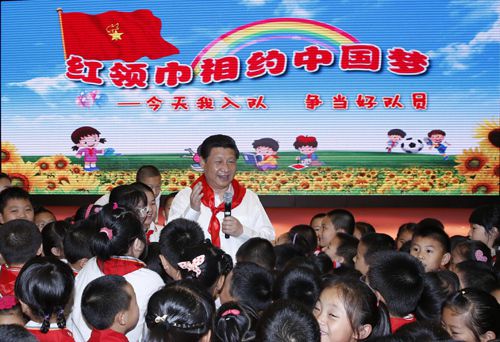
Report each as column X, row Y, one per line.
column 20, row 240
column 109, row 305
column 44, row 288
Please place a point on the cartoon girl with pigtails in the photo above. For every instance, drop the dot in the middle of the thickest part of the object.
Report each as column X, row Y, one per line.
column 86, row 139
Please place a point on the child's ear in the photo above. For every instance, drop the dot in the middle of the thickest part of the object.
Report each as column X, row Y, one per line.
column 137, row 248
column 220, row 284
column 488, row 336
column 169, row 269
column 56, row 251
column 341, row 259
column 445, row 259
column 122, row 318
column 363, row 332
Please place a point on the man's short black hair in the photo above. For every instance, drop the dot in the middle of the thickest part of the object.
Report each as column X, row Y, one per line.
column 20, row 240
column 103, row 298
column 214, row 141
column 399, row 278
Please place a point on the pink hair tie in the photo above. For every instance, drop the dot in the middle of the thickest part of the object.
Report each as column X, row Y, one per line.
column 231, row 312
column 480, row 256
column 107, row 231
column 7, row 302
column 115, row 205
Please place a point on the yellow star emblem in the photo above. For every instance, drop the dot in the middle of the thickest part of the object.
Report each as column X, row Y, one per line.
column 116, row 35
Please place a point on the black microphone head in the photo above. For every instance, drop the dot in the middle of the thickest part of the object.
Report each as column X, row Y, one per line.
column 228, row 197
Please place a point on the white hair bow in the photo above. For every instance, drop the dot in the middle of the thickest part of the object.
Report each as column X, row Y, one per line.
column 193, row 266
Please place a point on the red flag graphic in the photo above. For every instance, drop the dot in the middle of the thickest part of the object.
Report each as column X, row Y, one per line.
column 114, row 35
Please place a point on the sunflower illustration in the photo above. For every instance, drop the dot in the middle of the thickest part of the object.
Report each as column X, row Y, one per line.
column 60, row 162
column 489, row 134
column 45, row 164
column 46, row 184
column 471, row 161
column 10, row 156
column 22, row 175
column 483, row 185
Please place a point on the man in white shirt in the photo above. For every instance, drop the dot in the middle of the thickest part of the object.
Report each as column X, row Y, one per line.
column 203, row 201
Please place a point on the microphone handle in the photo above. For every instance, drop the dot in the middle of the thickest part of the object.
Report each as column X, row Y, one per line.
column 227, row 212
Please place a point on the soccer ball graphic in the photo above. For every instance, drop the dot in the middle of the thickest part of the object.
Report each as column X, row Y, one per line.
column 412, row 145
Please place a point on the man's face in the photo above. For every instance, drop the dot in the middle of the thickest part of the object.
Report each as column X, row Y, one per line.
column 220, row 168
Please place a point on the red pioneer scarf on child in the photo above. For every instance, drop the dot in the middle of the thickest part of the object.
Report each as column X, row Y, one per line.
column 120, row 265
column 208, row 200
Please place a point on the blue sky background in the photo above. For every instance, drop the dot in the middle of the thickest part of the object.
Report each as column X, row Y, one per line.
column 38, row 111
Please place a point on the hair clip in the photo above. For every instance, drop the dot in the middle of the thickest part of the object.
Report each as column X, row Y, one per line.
column 294, row 238
column 235, row 312
column 87, row 212
column 463, row 292
column 115, row 205
column 160, row 319
column 193, row 266
column 107, row 231
column 480, row 256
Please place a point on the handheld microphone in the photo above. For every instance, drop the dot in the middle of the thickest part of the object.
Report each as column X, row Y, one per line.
column 228, row 199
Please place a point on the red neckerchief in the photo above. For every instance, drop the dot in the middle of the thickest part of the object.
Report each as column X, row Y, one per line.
column 107, row 335
column 120, row 265
column 91, row 152
column 208, row 200
column 398, row 322
column 8, row 276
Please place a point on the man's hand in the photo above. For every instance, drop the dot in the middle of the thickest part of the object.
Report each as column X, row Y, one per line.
column 231, row 226
column 196, row 196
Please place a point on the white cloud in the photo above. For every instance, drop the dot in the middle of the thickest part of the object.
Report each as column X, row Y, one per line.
column 45, row 85
column 456, row 55
column 5, row 99
column 296, row 8
column 254, row 2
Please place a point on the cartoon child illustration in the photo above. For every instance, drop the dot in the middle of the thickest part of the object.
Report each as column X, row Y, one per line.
column 436, row 140
column 86, row 139
column 395, row 135
column 266, row 150
column 307, row 146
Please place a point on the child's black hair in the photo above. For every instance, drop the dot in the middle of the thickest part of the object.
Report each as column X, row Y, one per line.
column 397, row 131
column 347, row 248
column 180, row 312
column 323, row 263
column 259, row 251
column 398, row 277
column 456, row 239
column 124, row 227
column 11, row 193
column 430, row 221
column 76, row 241
column 434, row 233
column 41, row 209
column 364, row 228
column 298, row 283
column 146, row 171
column 85, row 211
column 422, row 331
column 45, row 285
column 20, row 240
column 16, row 333
column 361, row 304
column 102, row 299
column 487, row 216
column 377, row 242
column 317, row 216
column 266, row 142
column 482, row 309
column 234, row 322
column 216, row 263
column 286, row 321
column 342, row 220
column 214, row 141
column 309, row 235
column 152, row 261
column 53, row 236
column 434, row 295
column 476, row 274
column 285, row 253
column 176, row 236
column 251, row 285
column 127, row 196
column 474, row 250
column 406, row 227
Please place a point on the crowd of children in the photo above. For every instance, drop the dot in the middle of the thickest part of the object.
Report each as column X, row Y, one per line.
column 111, row 273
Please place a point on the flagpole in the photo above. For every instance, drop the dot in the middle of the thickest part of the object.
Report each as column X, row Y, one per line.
column 59, row 10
